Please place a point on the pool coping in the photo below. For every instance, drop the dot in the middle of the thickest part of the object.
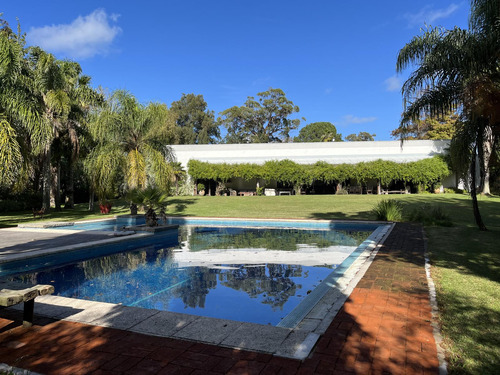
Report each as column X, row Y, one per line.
column 27, row 254
column 294, row 343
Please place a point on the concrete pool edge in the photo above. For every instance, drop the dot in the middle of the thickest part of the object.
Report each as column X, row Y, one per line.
column 28, row 254
column 331, row 281
column 294, row 343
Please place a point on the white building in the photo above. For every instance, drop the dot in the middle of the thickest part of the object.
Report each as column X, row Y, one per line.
column 310, row 153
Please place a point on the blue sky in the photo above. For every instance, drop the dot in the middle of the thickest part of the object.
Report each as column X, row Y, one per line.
column 334, row 59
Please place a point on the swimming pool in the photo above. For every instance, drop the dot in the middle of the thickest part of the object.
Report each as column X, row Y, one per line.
column 262, row 272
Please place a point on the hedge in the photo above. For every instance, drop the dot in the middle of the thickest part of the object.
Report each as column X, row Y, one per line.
column 425, row 172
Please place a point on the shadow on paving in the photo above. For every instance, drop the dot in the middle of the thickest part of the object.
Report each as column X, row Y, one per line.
column 383, row 328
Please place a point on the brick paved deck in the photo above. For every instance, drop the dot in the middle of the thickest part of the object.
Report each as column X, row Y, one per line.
column 383, row 328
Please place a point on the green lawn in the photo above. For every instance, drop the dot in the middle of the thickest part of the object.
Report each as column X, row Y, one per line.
column 466, row 262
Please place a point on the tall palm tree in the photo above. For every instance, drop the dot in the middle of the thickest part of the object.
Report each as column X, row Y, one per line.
column 459, row 70
column 50, row 91
column 131, row 145
column 64, row 96
column 83, row 98
column 23, row 131
column 41, row 100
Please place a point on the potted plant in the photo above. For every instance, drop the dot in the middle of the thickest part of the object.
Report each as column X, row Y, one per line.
column 103, row 194
column 105, row 207
column 133, row 196
column 201, row 189
column 104, row 203
column 152, row 199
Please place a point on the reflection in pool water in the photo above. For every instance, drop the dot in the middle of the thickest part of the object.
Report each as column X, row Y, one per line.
column 247, row 274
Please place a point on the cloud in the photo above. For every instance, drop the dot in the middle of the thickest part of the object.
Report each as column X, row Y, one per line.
column 350, row 119
column 393, row 83
column 114, row 17
column 85, row 37
column 427, row 15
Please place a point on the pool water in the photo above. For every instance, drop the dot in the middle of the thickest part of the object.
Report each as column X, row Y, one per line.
column 106, row 225
column 257, row 275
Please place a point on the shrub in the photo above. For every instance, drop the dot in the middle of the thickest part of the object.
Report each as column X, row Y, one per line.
column 8, row 205
column 186, row 187
column 388, row 210
column 221, row 189
column 201, row 187
column 429, row 215
column 260, row 191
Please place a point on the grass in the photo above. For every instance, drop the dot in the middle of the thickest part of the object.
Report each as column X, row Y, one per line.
column 80, row 212
column 466, row 266
column 466, row 262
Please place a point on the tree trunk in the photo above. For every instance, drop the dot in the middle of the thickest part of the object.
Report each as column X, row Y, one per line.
column 70, row 191
column 56, row 186
column 485, row 158
column 475, row 206
column 379, row 190
column 91, row 199
column 46, row 180
column 38, row 172
column 486, row 183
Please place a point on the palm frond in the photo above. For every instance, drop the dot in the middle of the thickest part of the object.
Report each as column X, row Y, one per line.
column 11, row 55
column 414, row 52
column 58, row 102
column 103, row 166
column 11, row 158
column 435, row 101
column 161, row 172
column 136, row 170
column 161, row 126
column 485, row 15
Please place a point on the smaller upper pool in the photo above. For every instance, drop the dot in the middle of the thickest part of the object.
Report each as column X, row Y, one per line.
column 106, row 225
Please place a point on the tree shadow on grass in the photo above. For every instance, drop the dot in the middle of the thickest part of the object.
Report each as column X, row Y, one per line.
column 475, row 331
column 467, row 250
column 178, row 206
column 337, row 215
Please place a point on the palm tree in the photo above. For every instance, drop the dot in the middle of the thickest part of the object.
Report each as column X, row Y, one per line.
column 179, row 174
column 50, row 91
column 23, row 131
column 82, row 99
column 131, row 145
column 41, row 99
column 458, row 70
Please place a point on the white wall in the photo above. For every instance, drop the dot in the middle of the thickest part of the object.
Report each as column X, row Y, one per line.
column 310, row 153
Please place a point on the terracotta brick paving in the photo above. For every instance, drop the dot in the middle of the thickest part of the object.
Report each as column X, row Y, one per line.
column 383, row 328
